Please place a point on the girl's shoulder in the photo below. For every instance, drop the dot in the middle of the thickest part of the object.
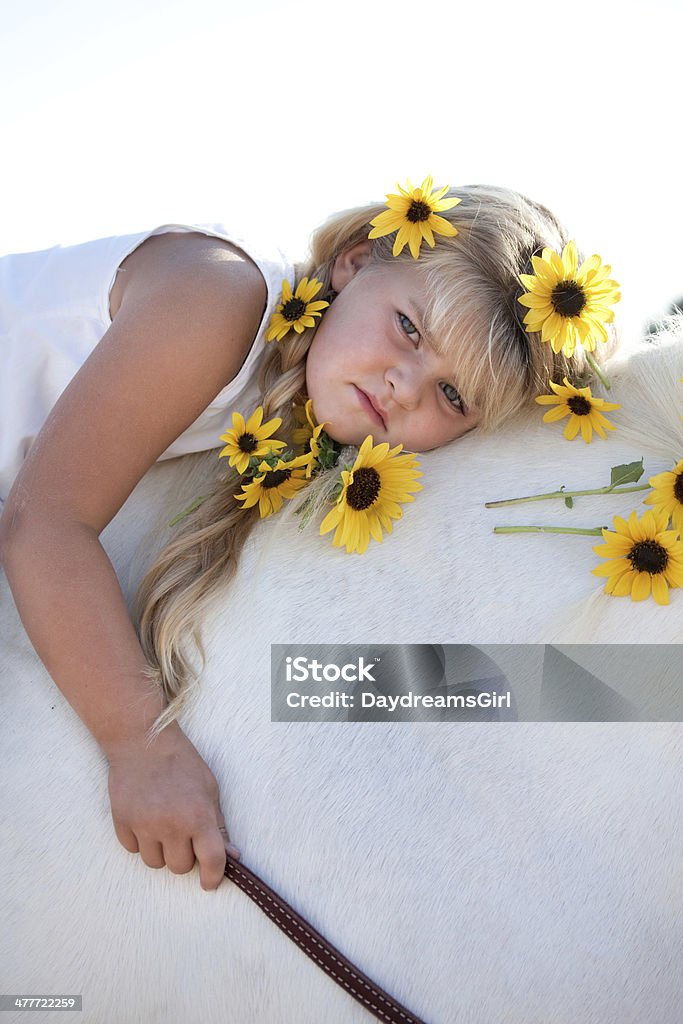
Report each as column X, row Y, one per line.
column 195, row 254
column 186, row 318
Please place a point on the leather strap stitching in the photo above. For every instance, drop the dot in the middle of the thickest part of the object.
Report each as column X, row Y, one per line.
column 305, row 936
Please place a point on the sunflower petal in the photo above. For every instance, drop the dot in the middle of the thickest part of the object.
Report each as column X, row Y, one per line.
column 572, row 428
column 441, row 226
column 556, row 414
column 611, row 567
column 642, row 585
column 586, row 429
column 660, row 591
column 623, row 585
column 570, row 259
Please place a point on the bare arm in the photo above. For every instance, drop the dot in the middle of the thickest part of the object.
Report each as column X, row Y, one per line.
column 189, row 311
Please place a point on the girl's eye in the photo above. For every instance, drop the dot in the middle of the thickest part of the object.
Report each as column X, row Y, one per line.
column 453, row 396
column 409, row 327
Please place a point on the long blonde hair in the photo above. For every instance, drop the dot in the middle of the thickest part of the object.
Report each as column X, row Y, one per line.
column 472, row 283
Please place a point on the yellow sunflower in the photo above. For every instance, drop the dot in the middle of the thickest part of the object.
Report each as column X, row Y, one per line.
column 643, row 557
column 584, row 410
column 296, row 310
column 414, row 215
column 273, row 483
column 569, row 304
column 668, row 495
column 379, row 480
column 249, row 439
column 305, row 437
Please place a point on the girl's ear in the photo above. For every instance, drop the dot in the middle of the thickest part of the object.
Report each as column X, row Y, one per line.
column 348, row 263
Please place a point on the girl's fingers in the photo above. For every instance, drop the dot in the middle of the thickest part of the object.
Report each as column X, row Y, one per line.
column 209, row 849
column 179, row 856
column 152, row 853
column 127, row 838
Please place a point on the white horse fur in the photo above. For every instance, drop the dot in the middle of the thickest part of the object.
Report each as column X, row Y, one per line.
column 507, row 873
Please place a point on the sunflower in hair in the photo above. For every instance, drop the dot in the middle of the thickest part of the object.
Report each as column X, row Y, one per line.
column 272, row 483
column 569, row 304
column 414, row 216
column 584, row 410
column 296, row 310
column 249, row 440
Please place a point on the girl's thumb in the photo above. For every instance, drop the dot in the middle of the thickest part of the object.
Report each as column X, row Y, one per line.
column 230, row 848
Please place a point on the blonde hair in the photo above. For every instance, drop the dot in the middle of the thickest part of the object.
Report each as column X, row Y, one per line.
column 472, row 284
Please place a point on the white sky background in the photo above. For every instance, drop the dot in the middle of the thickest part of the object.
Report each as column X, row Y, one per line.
column 118, row 117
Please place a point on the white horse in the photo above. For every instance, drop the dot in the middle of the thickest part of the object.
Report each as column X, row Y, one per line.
column 482, row 873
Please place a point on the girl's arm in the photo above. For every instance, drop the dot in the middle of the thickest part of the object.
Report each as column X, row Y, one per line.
column 190, row 307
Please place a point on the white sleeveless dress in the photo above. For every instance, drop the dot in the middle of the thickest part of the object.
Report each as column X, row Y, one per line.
column 54, row 308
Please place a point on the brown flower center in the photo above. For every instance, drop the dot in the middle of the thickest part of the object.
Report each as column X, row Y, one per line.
column 275, row 478
column 364, row 489
column 678, row 487
column 293, row 309
column 648, row 556
column 247, row 443
column 579, row 405
column 418, row 211
column 568, row 298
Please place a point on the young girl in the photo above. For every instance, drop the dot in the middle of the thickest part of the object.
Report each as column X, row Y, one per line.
column 125, row 351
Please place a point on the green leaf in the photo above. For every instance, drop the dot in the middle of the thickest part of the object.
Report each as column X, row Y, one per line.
column 629, row 473
column 569, row 502
column 329, row 451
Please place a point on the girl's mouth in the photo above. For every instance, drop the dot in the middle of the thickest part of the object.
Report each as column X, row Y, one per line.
column 368, row 404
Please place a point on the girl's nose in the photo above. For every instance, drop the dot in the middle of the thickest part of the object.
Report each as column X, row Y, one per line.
column 405, row 383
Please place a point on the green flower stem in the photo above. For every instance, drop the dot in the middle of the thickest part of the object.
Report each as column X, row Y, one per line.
column 598, row 372
column 597, row 532
column 566, row 494
column 190, row 508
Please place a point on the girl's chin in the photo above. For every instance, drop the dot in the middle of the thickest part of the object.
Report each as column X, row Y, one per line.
column 342, row 437
column 348, row 433
column 342, row 433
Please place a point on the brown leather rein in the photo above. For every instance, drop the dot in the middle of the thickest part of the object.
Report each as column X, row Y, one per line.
column 316, row 946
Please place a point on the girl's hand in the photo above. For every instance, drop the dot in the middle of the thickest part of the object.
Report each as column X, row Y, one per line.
column 165, row 806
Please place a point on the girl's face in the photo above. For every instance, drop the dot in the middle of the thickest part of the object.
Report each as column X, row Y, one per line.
column 370, row 370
